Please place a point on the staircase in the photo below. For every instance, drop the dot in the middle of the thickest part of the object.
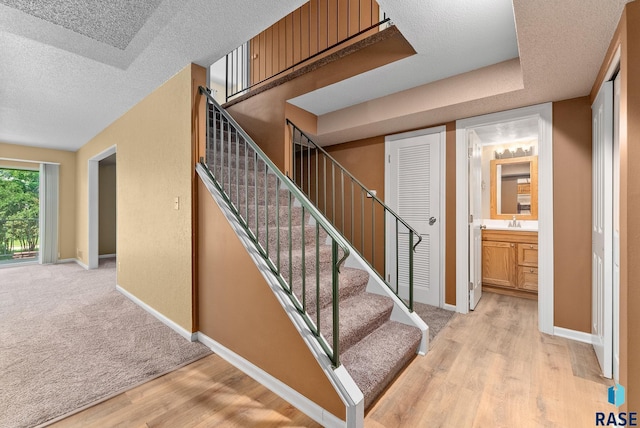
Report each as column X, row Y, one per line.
column 353, row 325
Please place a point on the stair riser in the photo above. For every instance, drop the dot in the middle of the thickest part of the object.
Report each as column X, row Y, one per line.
column 270, row 215
column 351, row 282
column 235, row 176
column 240, row 193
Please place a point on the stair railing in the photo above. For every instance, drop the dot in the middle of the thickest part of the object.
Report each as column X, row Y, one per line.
column 243, row 191
column 344, row 200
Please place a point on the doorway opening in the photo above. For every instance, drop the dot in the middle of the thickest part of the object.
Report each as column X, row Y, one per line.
column 102, row 206
column 517, row 148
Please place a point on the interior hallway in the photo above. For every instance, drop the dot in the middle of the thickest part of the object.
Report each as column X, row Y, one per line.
column 490, row 368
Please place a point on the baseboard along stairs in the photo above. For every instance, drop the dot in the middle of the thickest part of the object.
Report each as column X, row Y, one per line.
column 373, row 345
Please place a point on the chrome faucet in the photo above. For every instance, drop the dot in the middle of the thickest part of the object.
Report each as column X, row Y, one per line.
column 514, row 223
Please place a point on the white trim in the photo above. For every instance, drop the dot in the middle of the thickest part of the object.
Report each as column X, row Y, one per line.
column 302, row 403
column 545, row 204
column 107, row 256
column 93, row 189
column 450, row 307
column 82, row 265
column 578, row 336
column 28, row 161
column 169, row 323
column 342, row 382
column 442, row 130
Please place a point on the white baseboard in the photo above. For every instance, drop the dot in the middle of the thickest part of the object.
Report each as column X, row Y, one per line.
column 76, row 261
column 302, row 403
column 107, row 256
column 452, row 308
column 192, row 337
column 579, row 336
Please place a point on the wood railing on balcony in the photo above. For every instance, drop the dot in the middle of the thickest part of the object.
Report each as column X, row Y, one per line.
column 306, row 33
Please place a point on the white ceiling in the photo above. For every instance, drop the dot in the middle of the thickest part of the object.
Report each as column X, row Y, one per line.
column 450, row 37
column 59, row 88
column 63, row 80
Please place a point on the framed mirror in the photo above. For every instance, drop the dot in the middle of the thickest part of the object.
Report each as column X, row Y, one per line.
column 514, row 188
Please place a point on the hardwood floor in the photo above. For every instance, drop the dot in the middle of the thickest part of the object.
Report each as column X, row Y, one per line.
column 490, row 368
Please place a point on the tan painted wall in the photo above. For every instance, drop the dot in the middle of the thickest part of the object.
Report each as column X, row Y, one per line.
column 572, row 214
column 67, row 203
column 627, row 37
column 364, row 159
column 238, row 309
column 107, row 207
column 155, row 166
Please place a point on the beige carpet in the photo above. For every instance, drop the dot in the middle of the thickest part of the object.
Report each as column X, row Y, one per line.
column 69, row 339
column 436, row 318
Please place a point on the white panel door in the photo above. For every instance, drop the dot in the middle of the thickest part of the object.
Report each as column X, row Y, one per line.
column 602, row 275
column 413, row 176
column 475, row 211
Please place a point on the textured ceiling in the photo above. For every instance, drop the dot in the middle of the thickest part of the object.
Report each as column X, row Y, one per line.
column 515, row 130
column 59, row 88
column 113, row 22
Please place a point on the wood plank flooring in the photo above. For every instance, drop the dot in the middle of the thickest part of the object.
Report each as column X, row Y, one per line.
column 490, row 368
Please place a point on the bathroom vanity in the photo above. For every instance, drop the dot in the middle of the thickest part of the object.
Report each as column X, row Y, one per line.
column 510, row 262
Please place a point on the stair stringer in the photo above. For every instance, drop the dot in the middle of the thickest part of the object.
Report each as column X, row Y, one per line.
column 400, row 311
column 339, row 378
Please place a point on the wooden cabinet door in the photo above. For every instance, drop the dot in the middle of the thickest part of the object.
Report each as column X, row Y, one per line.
column 498, row 261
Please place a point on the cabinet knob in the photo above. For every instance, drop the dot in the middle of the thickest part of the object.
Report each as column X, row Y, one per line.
column 531, row 246
column 513, row 245
column 531, row 270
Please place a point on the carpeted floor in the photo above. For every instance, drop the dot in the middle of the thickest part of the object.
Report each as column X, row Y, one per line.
column 69, row 339
column 436, row 318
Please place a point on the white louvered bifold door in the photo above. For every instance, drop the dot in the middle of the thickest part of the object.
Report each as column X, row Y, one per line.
column 413, row 175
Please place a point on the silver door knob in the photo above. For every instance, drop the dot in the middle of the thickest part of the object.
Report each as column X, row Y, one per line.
column 432, row 221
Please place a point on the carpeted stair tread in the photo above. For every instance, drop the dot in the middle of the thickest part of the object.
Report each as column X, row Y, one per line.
column 376, row 359
column 352, row 281
column 360, row 315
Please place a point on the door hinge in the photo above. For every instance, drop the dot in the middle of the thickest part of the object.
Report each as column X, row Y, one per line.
column 389, row 158
column 389, row 278
column 470, row 152
column 470, row 285
column 470, row 218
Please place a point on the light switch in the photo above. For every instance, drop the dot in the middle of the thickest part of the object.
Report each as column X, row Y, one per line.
column 177, row 203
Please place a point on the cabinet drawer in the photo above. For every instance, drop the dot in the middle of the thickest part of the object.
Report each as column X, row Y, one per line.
column 528, row 255
column 528, row 278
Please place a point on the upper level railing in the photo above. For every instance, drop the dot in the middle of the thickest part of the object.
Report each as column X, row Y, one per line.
column 274, row 213
column 371, row 226
column 308, row 32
